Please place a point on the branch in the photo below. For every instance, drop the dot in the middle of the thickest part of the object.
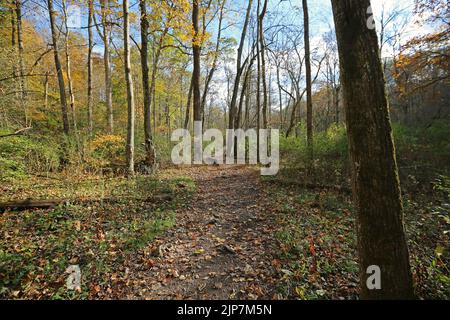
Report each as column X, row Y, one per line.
column 17, row 133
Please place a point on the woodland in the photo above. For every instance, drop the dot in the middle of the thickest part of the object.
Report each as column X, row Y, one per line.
column 92, row 90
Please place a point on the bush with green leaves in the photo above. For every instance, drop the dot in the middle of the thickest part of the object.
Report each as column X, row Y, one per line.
column 22, row 155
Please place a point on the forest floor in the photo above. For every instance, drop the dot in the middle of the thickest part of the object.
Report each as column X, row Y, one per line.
column 221, row 246
column 225, row 233
column 216, row 244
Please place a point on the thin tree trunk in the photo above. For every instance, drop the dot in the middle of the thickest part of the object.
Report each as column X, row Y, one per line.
column 148, row 141
column 46, row 91
column 196, row 72
column 69, row 67
column 263, row 63
column 106, row 35
column 380, row 230
column 90, row 68
column 188, row 104
column 239, row 68
column 130, row 92
column 59, row 71
column 280, row 97
column 14, row 51
column 23, row 83
column 247, row 100
column 309, row 114
column 237, row 123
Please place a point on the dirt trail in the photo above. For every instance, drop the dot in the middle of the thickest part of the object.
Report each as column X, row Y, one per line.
column 220, row 247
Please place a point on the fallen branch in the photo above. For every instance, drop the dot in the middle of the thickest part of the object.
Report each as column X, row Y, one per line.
column 307, row 185
column 51, row 203
column 18, row 132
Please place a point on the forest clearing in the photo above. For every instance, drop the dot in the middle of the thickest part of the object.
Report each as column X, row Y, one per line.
column 323, row 173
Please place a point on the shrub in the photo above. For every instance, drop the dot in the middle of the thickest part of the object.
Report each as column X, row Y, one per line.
column 106, row 150
column 21, row 155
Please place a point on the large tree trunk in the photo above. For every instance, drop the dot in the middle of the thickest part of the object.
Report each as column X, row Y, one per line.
column 196, row 72
column 239, row 68
column 381, row 236
column 148, row 141
column 69, row 66
column 309, row 115
column 90, row 68
column 59, row 71
column 130, row 92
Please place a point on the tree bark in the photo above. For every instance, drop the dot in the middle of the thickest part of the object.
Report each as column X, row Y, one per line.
column 148, row 141
column 107, row 63
column 309, row 115
column 59, row 71
column 188, row 104
column 263, row 63
column 196, row 72
column 23, row 82
column 130, row 92
column 90, row 68
column 375, row 182
column 69, row 67
column 46, row 91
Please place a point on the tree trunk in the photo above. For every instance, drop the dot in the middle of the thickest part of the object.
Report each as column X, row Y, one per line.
column 90, row 68
column 188, row 104
column 107, row 63
column 130, row 92
column 14, row 52
column 196, row 72
column 69, row 67
column 280, row 97
column 263, row 63
column 237, row 123
column 46, row 91
column 23, row 83
column 232, row 110
column 309, row 115
column 59, row 71
column 148, row 141
column 380, row 231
